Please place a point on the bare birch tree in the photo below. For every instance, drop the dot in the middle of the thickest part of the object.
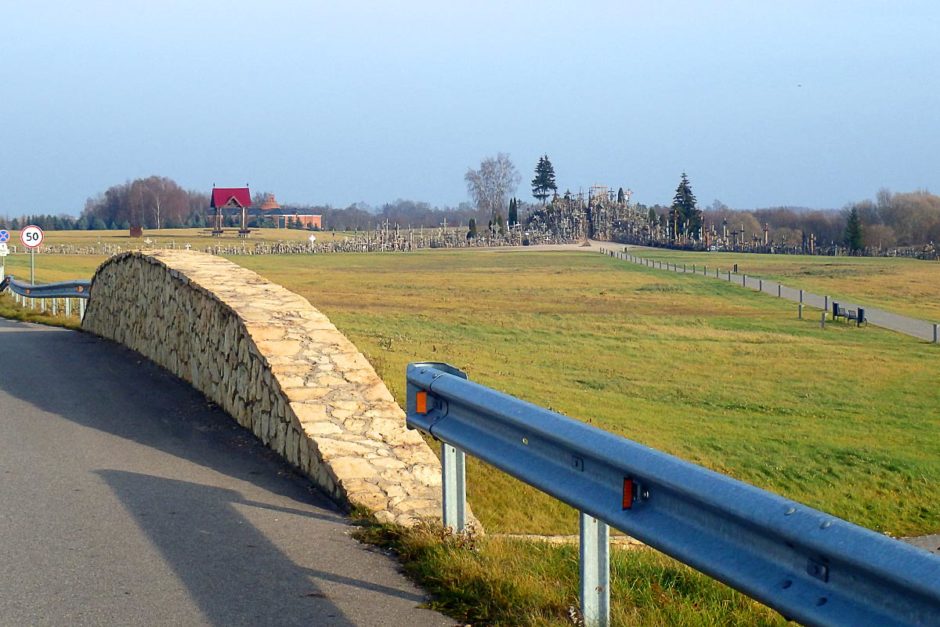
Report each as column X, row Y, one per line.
column 493, row 184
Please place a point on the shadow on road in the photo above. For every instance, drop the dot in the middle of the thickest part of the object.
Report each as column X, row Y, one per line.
column 275, row 547
column 234, row 573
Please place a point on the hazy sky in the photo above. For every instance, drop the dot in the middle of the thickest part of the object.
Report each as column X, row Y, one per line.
column 812, row 103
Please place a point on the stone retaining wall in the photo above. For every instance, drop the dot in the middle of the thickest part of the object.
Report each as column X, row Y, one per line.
column 278, row 366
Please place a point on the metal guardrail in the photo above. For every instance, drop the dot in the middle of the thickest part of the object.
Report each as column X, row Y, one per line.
column 31, row 295
column 808, row 565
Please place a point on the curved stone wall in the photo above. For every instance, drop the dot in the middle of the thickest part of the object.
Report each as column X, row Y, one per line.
column 278, row 366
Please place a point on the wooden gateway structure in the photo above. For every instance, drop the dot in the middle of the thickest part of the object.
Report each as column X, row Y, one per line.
column 231, row 198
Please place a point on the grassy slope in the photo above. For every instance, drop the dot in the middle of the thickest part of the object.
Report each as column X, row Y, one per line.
column 905, row 286
column 498, row 581
column 842, row 419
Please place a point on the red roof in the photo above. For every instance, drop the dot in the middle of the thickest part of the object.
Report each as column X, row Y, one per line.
column 222, row 196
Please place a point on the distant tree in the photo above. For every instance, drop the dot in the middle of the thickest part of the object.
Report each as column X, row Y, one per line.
column 853, row 231
column 620, row 196
column 472, row 229
column 878, row 236
column 543, row 185
column 652, row 217
column 500, row 224
column 491, row 185
column 684, row 216
column 513, row 212
column 153, row 202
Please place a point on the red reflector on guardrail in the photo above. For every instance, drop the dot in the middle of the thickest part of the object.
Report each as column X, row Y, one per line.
column 421, row 402
column 627, row 493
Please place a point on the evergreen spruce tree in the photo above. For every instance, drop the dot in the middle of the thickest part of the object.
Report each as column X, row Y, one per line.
column 684, row 216
column 543, row 185
column 472, row 229
column 620, row 196
column 513, row 212
column 853, row 231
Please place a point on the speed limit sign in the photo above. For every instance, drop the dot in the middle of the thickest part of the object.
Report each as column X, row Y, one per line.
column 31, row 236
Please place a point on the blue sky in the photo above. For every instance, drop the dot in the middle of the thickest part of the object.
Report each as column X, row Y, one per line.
column 762, row 103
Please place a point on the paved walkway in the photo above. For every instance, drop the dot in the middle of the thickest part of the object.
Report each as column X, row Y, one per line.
column 126, row 499
column 920, row 329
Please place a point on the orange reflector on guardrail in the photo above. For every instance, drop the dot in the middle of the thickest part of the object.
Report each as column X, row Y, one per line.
column 627, row 493
column 421, row 402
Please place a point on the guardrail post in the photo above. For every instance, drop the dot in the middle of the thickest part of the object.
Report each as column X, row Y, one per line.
column 68, row 307
column 81, row 308
column 42, row 305
column 454, row 479
column 55, row 306
column 595, row 571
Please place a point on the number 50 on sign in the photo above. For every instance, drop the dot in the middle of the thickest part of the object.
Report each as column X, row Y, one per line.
column 31, row 236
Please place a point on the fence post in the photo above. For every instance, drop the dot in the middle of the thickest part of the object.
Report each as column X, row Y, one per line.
column 936, row 333
column 779, row 290
column 822, row 320
column 801, row 296
column 760, row 285
column 454, row 487
column 801, row 310
column 595, row 571
column 826, row 306
column 743, row 280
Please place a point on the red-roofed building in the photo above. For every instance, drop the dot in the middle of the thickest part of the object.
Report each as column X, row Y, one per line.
column 230, row 198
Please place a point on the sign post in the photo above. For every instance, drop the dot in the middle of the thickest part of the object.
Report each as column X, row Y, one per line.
column 31, row 236
column 4, row 250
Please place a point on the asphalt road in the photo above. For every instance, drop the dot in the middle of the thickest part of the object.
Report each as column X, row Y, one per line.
column 126, row 498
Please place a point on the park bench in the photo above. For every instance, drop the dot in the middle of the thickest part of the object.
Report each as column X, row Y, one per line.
column 858, row 315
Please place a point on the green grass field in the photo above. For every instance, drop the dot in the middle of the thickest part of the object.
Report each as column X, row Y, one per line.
column 905, row 286
column 843, row 419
